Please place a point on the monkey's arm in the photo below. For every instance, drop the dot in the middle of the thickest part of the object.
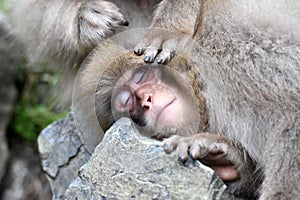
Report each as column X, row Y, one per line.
column 63, row 32
column 228, row 158
column 171, row 28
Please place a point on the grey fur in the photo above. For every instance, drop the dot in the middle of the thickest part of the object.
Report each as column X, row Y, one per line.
column 248, row 56
column 61, row 33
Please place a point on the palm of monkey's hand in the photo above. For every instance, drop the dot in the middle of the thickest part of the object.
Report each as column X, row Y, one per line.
column 215, row 151
column 98, row 20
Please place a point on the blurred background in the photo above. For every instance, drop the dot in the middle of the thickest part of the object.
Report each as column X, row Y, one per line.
column 28, row 103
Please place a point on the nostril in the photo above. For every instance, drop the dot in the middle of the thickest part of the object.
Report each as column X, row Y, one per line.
column 149, row 99
column 147, row 103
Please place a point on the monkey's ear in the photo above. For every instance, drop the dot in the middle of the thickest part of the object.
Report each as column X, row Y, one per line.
column 83, row 100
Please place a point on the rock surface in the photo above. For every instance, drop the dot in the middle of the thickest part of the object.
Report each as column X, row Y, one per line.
column 62, row 154
column 125, row 165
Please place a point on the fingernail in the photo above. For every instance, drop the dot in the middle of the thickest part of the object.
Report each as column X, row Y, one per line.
column 193, row 154
column 182, row 157
column 126, row 23
column 159, row 60
column 137, row 51
column 147, row 59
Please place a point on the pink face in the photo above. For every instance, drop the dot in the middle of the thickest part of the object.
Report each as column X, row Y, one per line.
column 143, row 89
column 149, row 100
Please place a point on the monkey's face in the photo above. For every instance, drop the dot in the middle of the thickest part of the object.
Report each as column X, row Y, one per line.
column 156, row 99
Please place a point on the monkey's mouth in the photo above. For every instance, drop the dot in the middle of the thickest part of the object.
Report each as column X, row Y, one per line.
column 164, row 108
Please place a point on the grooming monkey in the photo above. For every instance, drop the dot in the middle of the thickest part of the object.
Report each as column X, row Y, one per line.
column 247, row 56
column 61, row 33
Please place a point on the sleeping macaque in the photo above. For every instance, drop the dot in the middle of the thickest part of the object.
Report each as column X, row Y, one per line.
column 247, row 54
column 161, row 100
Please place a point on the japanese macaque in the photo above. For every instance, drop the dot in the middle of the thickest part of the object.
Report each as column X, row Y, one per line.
column 247, row 54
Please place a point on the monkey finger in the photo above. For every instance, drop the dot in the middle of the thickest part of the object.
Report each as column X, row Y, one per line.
column 152, row 50
column 217, row 155
column 165, row 56
column 195, row 151
column 182, row 151
column 140, row 48
column 169, row 48
column 145, row 43
column 198, row 151
column 150, row 54
column 217, row 148
column 171, row 143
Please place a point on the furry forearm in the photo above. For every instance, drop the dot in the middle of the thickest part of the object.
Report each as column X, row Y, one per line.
column 63, row 32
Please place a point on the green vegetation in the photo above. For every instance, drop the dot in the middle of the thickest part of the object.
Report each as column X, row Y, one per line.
column 38, row 98
column 29, row 120
column 35, row 108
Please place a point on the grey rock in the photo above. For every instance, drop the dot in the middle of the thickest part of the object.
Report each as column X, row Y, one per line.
column 62, row 154
column 126, row 165
column 10, row 59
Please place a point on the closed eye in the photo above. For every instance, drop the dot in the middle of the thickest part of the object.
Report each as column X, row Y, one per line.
column 125, row 98
column 138, row 76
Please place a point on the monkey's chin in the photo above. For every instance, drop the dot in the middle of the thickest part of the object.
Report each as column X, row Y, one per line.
column 158, row 132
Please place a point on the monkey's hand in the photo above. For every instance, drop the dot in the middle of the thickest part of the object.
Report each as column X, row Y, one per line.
column 171, row 29
column 217, row 152
column 62, row 33
column 161, row 45
column 98, row 20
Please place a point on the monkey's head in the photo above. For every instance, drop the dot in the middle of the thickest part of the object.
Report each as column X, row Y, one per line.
column 158, row 98
column 161, row 100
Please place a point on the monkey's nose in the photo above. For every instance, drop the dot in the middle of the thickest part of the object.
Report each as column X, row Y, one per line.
column 146, row 102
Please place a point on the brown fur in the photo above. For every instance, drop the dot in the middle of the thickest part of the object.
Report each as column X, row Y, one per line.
column 247, row 57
